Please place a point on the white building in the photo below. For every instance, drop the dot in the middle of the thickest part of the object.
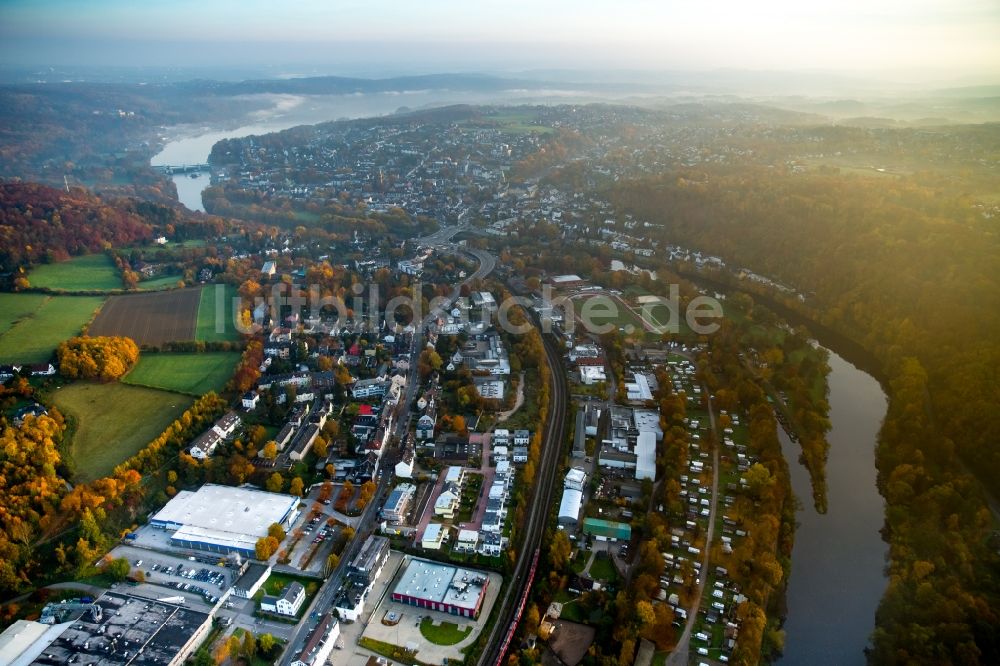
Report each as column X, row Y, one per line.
column 287, row 603
column 404, row 468
column 434, row 536
column 320, row 643
column 223, row 519
column 368, row 388
column 447, row 503
column 397, row 505
column 467, row 541
column 592, row 374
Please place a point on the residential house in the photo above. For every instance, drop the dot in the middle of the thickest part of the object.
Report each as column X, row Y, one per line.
column 397, row 505
column 320, row 643
column 434, row 536
column 404, row 468
column 250, row 400
column 287, row 603
column 425, row 425
column 467, row 541
column 364, row 389
column 446, row 504
column 490, row 544
column 205, row 444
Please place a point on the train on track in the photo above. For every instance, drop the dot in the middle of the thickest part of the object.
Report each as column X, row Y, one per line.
column 512, row 629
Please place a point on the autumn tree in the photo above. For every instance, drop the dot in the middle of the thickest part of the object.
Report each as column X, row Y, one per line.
column 105, row 358
column 296, row 487
column 320, row 447
column 277, row 531
column 249, row 648
column 118, row 569
column 367, row 492
column 266, row 547
column 275, row 483
column 332, row 560
column 560, row 550
column 270, row 450
column 428, row 361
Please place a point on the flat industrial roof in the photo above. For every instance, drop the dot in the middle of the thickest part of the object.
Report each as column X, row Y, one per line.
column 159, row 629
column 648, row 420
column 24, row 639
column 225, row 513
column 645, row 455
column 442, row 583
column 572, row 501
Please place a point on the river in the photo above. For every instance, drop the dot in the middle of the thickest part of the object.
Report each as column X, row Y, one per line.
column 193, row 144
column 837, row 563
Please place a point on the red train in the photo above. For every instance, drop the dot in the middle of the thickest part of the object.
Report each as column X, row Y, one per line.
column 520, row 609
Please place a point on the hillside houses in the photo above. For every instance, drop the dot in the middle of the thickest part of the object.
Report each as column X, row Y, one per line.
column 205, row 444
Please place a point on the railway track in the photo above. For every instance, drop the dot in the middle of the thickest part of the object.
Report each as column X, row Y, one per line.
column 513, row 603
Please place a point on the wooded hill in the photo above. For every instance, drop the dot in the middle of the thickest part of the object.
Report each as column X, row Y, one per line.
column 909, row 269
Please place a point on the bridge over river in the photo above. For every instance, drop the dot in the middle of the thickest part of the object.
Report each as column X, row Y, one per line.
column 182, row 168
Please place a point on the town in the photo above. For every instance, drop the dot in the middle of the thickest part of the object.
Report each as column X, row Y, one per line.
column 467, row 402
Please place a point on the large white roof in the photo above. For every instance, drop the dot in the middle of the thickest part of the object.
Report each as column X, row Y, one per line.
column 572, row 500
column 645, row 456
column 433, row 581
column 226, row 513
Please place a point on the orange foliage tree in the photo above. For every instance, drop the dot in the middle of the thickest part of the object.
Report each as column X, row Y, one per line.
column 106, row 358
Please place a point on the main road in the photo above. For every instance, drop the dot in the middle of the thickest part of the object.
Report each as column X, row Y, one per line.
column 323, row 602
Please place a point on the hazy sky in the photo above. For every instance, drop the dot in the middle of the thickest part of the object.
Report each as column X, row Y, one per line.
column 939, row 37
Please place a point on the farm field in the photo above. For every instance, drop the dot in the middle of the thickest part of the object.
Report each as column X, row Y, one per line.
column 152, row 318
column 194, row 374
column 92, row 272
column 114, row 421
column 216, row 322
column 17, row 306
column 157, row 283
column 32, row 325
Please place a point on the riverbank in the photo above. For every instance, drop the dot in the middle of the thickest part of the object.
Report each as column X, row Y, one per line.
column 837, row 577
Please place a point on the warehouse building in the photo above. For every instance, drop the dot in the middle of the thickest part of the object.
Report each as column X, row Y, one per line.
column 442, row 587
column 607, row 530
column 572, row 498
column 253, row 579
column 223, row 519
column 131, row 631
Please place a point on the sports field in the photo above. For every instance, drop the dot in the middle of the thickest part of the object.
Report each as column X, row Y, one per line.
column 152, row 318
column 215, row 314
column 599, row 310
column 92, row 272
column 32, row 325
column 114, row 421
column 194, row 374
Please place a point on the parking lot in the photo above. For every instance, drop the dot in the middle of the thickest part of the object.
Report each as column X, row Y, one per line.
column 185, row 575
column 406, row 630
